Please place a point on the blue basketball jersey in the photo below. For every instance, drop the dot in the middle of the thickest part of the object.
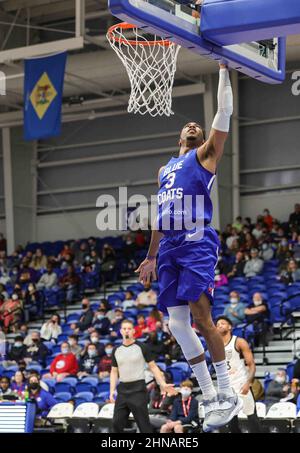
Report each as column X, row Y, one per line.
column 184, row 194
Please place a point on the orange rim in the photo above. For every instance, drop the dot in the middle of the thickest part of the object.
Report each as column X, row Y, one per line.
column 126, row 26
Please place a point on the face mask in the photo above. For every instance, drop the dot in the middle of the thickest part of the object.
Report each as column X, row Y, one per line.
column 30, row 288
column 18, row 345
column 15, row 272
column 119, row 318
column 185, row 392
column 94, row 339
column 234, row 301
column 34, row 386
column 108, row 351
column 264, row 246
column 35, row 340
column 14, row 297
column 92, row 353
column 284, row 243
column 71, row 342
column 65, row 351
column 280, row 379
column 257, row 303
column 99, row 317
column 84, row 306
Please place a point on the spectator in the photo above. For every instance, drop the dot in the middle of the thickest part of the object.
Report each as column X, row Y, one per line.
column 294, row 219
column 5, row 388
column 48, row 280
column 238, row 225
column 268, row 219
column 5, row 278
column 254, row 266
column 17, row 351
column 37, row 351
column 66, row 252
column 160, row 406
column 43, row 399
column 233, row 236
column 154, row 317
column 2, row 243
column 116, row 323
column 291, row 274
column 237, row 268
column 220, row 279
column 108, row 264
column 105, row 363
column 156, row 347
column 51, row 329
column 249, row 243
column 283, row 249
column 33, row 302
column 95, row 339
column 3, row 292
column 26, row 273
column 82, row 252
column 89, row 362
column 64, row 364
column 257, row 310
column 101, row 323
column 70, row 283
column 141, row 328
column 129, row 301
column 75, row 348
column 11, row 313
column 24, row 332
column 19, row 384
column 173, row 351
column 236, row 310
column 296, row 249
column 267, row 252
column 277, row 389
column 184, row 411
column 39, row 260
column 86, row 318
column 147, row 297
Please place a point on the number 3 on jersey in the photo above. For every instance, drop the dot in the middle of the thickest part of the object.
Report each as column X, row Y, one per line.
column 171, row 178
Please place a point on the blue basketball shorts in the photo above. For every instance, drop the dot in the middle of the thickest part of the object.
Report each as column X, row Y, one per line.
column 186, row 269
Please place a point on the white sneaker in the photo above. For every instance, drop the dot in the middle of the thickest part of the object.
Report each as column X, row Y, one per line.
column 228, row 407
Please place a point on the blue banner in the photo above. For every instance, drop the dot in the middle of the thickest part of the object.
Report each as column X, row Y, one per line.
column 43, row 90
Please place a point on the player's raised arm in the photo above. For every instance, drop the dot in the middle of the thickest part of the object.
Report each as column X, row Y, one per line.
column 211, row 151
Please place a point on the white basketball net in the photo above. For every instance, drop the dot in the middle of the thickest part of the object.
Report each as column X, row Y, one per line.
column 150, row 66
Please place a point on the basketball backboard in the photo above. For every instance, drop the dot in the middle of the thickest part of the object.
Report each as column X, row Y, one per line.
column 263, row 60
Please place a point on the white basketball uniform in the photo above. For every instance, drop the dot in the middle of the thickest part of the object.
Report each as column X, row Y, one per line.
column 238, row 374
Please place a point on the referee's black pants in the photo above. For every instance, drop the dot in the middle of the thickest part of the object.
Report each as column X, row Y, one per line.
column 132, row 398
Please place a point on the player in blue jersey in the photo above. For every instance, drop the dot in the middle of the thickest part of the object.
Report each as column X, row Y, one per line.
column 188, row 250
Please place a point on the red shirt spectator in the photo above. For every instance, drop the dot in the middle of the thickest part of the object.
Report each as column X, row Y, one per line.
column 268, row 219
column 140, row 239
column 141, row 327
column 64, row 364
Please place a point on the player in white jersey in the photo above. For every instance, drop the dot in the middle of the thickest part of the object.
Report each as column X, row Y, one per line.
column 241, row 368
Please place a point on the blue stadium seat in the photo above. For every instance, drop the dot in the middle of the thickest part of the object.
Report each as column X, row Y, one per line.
column 103, row 387
column 34, row 367
column 86, row 396
column 51, row 384
column 290, row 369
column 91, row 380
column 101, row 397
column 63, row 397
column 85, row 387
column 70, row 380
column 64, row 387
column 49, row 345
column 73, row 317
column 161, row 365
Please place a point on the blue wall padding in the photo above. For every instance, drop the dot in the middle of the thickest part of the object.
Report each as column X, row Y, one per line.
column 225, row 22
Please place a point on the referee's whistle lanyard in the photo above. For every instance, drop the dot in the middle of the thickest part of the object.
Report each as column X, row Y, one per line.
column 186, row 407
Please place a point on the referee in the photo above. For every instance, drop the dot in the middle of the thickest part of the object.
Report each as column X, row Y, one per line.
column 128, row 366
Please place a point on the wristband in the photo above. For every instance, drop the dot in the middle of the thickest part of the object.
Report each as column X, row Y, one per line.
column 150, row 257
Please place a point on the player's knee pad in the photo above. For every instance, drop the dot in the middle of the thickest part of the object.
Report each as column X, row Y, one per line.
column 181, row 329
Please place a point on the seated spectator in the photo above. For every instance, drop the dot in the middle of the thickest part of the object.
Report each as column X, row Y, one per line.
column 5, row 388
column 66, row 252
column 173, row 351
column 11, row 313
column 232, row 237
column 32, row 302
column 257, row 232
column 268, row 219
column 70, row 284
column 277, row 389
column 141, row 327
column 82, row 252
column 75, row 348
column 249, row 243
column 17, row 352
column 104, row 367
column 116, row 323
column 18, row 384
column 254, row 266
column 108, row 264
column 291, row 274
column 146, row 297
column 184, row 411
column 37, row 351
column 24, row 332
column 86, row 318
column 162, row 335
column 4, row 277
column 2, row 243
column 258, row 310
column 43, row 399
column 89, row 362
column 48, row 280
column 129, row 301
column 63, row 365
column 39, row 260
column 294, row 219
column 26, row 273
column 3, row 292
column 237, row 268
column 101, row 323
column 51, row 329
column 154, row 317
column 155, row 347
column 296, row 249
column 267, row 252
column 95, row 339
column 160, row 406
column 238, row 224
column 220, row 279
column 236, row 310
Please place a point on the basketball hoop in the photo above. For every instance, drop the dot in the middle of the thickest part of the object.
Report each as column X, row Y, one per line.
column 150, row 65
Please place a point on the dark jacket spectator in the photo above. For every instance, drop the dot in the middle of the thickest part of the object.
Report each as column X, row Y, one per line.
column 257, row 311
column 101, row 323
column 295, row 216
column 37, row 351
column 2, row 243
column 86, row 318
column 291, row 274
column 18, row 350
column 237, row 268
column 43, row 399
column 104, row 367
column 26, row 273
column 156, row 347
column 89, row 362
column 277, row 389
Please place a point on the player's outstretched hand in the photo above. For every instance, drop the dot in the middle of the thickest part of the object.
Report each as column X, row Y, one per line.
column 147, row 271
